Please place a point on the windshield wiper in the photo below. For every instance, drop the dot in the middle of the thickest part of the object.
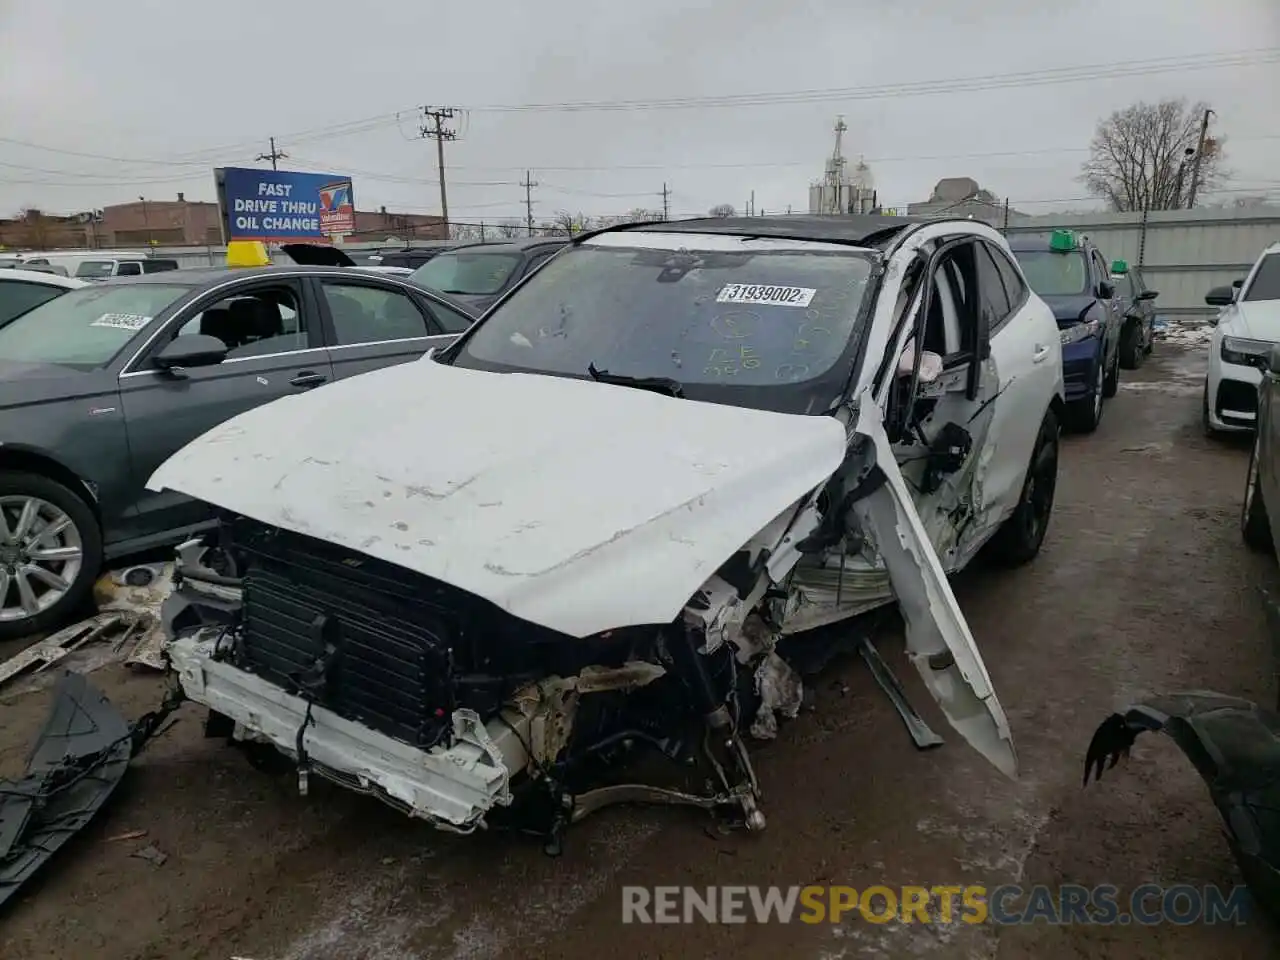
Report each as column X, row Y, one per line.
column 672, row 388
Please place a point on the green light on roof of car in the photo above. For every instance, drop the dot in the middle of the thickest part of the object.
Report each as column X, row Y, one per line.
column 1119, row 267
column 1062, row 241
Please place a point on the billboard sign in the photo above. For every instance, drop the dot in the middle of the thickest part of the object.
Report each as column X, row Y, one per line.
column 337, row 209
column 277, row 205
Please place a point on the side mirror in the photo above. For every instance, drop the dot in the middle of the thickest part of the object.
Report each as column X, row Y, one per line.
column 1273, row 361
column 1148, row 295
column 193, row 350
column 1106, row 290
column 1220, row 297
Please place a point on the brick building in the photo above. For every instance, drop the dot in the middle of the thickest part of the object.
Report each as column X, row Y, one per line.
column 175, row 223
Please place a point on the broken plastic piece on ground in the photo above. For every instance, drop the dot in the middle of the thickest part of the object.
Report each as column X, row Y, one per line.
column 119, row 626
column 1234, row 745
column 79, row 759
column 152, row 854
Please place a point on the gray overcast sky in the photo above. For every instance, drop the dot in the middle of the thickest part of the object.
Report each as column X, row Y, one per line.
column 189, row 86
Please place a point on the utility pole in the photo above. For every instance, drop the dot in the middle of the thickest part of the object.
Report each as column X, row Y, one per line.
column 273, row 156
column 528, row 183
column 1195, row 169
column 753, row 203
column 435, row 130
column 666, row 203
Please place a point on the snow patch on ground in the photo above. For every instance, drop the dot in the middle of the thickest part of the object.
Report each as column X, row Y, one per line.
column 1185, row 334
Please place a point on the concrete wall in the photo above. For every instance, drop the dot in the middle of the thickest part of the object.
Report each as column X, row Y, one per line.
column 1182, row 253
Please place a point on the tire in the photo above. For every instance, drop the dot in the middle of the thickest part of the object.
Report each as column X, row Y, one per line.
column 1132, row 350
column 57, row 606
column 1111, row 382
column 1019, row 538
column 1084, row 415
column 1255, row 525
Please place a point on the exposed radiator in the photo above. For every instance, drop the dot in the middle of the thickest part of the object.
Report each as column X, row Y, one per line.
column 363, row 640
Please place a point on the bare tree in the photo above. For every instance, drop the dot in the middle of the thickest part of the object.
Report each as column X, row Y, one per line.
column 511, row 228
column 1142, row 157
column 566, row 224
column 723, row 210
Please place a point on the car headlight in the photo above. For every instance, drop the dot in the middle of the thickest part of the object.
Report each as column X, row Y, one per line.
column 1079, row 331
column 1245, row 353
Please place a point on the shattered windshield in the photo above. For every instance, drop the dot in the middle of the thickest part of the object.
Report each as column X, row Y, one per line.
column 1052, row 274
column 742, row 312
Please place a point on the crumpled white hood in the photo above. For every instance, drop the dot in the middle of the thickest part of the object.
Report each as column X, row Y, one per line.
column 576, row 505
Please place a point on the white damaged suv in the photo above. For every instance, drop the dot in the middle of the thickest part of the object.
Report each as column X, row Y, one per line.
column 590, row 529
column 1246, row 327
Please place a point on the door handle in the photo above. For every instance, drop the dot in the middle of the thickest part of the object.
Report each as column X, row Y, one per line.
column 307, row 378
column 1041, row 352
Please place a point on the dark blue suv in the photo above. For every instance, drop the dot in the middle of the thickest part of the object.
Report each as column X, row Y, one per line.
column 1070, row 274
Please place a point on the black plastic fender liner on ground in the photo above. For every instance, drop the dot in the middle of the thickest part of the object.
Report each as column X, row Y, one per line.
column 1234, row 745
column 77, row 762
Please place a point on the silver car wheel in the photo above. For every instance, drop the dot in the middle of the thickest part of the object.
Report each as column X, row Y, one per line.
column 41, row 555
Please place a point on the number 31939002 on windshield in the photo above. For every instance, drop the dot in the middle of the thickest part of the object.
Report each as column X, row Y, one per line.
column 765, row 294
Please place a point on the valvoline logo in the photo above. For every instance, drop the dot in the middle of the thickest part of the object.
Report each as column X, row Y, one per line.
column 336, row 199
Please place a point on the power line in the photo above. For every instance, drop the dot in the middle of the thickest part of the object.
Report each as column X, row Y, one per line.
column 528, row 183
column 603, row 168
column 939, row 86
column 1075, row 74
column 273, row 156
column 435, row 130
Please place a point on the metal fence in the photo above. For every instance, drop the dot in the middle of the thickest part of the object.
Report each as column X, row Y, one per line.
column 1182, row 253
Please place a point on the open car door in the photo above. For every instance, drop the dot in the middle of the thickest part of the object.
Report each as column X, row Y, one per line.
column 938, row 639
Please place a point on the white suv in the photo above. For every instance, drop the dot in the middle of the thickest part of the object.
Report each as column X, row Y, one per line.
column 1247, row 326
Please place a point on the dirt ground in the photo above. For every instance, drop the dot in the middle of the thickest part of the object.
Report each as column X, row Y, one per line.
column 1143, row 586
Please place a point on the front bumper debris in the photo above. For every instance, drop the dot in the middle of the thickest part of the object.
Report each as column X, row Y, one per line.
column 453, row 787
column 78, row 761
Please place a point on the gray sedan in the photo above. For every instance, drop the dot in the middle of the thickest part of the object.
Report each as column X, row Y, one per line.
column 99, row 386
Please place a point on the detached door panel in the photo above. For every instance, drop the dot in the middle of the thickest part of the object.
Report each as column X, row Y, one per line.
column 275, row 351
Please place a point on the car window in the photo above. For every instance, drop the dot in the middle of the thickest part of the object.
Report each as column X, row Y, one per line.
column 469, row 274
column 254, row 322
column 129, row 268
column 1266, row 280
column 95, row 269
column 86, row 328
column 158, row 266
column 993, row 300
column 739, row 318
column 1053, row 274
column 1100, row 265
column 365, row 314
column 1014, row 286
column 450, row 320
column 17, row 297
